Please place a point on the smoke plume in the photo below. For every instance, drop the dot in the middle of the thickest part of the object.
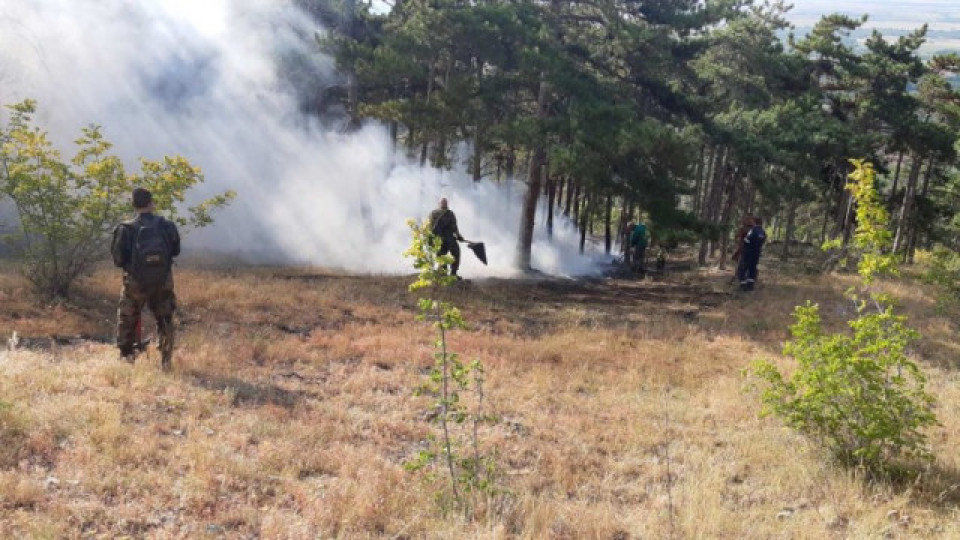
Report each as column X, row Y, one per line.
column 200, row 78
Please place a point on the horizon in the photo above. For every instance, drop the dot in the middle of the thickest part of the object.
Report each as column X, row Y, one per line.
column 891, row 19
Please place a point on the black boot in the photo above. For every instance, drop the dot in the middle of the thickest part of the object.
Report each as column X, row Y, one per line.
column 128, row 356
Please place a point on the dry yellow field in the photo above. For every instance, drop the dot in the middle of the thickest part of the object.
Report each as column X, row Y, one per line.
column 619, row 412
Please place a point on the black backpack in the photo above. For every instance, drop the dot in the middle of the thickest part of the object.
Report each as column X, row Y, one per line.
column 438, row 224
column 150, row 254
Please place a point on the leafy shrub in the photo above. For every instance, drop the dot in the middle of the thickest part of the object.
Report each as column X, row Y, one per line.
column 67, row 210
column 455, row 450
column 859, row 395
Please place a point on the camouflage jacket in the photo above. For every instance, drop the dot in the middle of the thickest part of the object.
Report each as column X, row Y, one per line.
column 443, row 223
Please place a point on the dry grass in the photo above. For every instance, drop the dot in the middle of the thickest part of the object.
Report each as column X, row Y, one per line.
column 290, row 413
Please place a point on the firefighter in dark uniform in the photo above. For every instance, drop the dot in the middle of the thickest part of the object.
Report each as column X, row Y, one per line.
column 443, row 223
column 752, row 249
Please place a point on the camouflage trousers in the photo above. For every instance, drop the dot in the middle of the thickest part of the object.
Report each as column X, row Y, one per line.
column 160, row 300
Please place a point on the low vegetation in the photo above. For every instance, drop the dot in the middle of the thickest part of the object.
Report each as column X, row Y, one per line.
column 859, row 394
column 616, row 411
column 66, row 210
column 454, row 452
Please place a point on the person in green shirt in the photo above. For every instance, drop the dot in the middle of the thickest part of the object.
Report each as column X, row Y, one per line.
column 638, row 241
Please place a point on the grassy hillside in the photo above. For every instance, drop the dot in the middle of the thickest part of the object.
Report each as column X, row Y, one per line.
column 618, row 407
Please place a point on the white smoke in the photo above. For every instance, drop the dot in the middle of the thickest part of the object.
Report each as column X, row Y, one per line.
column 199, row 78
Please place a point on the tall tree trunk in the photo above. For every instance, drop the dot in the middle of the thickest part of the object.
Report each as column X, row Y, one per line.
column 927, row 175
column 711, row 166
column 750, row 199
column 551, row 195
column 440, row 153
column 477, row 161
column 607, row 228
column 585, row 218
column 559, row 182
column 848, row 220
column 727, row 180
column 570, row 192
column 424, row 148
column 411, row 142
column 529, row 211
column 440, row 148
column 915, row 222
column 896, row 177
column 353, row 101
column 906, row 209
column 348, row 26
column 510, row 164
column 576, row 203
column 725, row 219
column 591, row 199
column 840, row 211
column 424, row 145
column 709, row 208
column 791, row 220
column 478, row 130
column 826, row 216
column 510, row 170
column 624, row 219
column 699, row 185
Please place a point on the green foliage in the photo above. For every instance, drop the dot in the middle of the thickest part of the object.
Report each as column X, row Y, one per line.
column 631, row 90
column 859, row 395
column 872, row 237
column 456, row 449
column 67, row 210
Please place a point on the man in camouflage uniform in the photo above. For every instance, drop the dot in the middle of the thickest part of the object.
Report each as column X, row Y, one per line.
column 158, row 297
column 443, row 223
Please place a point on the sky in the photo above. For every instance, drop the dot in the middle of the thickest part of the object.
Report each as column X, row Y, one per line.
column 908, row 11
column 943, row 16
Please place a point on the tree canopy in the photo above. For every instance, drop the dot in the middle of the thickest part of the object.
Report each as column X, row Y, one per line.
column 682, row 112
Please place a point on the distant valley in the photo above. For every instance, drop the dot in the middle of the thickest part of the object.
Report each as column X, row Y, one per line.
column 892, row 19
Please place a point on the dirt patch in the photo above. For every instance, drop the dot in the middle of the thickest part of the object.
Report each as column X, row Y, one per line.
column 299, row 303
